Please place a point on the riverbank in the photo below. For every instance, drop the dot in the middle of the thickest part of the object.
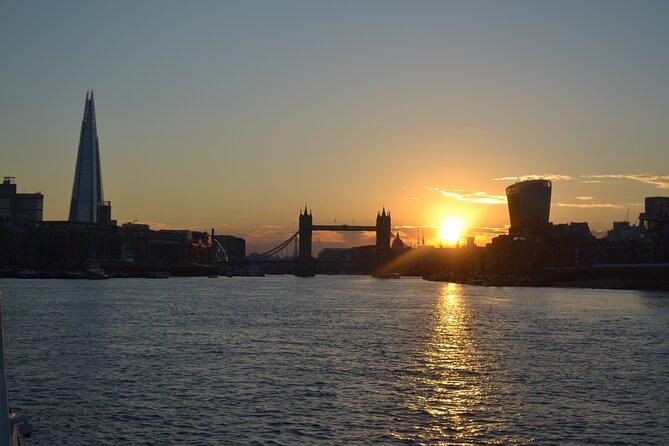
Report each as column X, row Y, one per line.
column 111, row 273
column 653, row 277
column 615, row 277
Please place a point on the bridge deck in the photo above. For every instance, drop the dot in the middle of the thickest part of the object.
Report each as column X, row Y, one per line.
column 343, row 228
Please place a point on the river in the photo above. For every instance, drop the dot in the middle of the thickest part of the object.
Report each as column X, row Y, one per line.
column 335, row 360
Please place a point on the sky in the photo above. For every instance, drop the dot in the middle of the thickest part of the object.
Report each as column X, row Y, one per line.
column 236, row 115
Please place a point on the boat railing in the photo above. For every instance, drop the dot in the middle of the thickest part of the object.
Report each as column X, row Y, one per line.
column 11, row 424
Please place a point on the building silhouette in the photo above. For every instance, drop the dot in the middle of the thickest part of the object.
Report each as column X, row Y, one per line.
column 529, row 205
column 19, row 209
column 235, row 247
column 654, row 224
column 87, row 204
column 623, row 231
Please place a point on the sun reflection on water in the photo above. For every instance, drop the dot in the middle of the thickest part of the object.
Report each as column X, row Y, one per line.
column 448, row 392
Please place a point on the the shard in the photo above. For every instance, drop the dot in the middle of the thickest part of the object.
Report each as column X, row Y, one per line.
column 87, row 194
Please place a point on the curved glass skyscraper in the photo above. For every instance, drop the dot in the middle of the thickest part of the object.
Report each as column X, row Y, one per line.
column 529, row 204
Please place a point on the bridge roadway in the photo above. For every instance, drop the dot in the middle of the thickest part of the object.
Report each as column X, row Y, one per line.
column 343, row 228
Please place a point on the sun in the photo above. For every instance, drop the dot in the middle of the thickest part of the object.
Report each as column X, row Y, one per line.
column 451, row 230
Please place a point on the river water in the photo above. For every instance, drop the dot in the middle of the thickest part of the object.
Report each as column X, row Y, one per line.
column 335, row 360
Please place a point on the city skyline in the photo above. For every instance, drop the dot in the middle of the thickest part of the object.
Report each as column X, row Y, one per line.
column 352, row 222
column 242, row 146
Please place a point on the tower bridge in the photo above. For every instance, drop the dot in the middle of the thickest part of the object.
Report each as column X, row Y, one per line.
column 304, row 264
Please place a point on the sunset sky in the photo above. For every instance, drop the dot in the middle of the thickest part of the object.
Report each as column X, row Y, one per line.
column 234, row 116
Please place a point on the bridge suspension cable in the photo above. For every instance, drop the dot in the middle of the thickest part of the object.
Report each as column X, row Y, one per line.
column 272, row 252
column 221, row 253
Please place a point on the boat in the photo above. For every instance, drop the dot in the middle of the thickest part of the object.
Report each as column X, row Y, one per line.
column 74, row 275
column 305, row 273
column 119, row 275
column 27, row 274
column 96, row 273
column 251, row 271
column 159, row 275
column 438, row 277
column 12, row 425
column 387, row 275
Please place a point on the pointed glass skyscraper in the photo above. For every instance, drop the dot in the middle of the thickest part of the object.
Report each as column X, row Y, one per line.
column 87, row 197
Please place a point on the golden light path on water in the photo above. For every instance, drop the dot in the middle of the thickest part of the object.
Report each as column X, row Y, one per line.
column 450, row 395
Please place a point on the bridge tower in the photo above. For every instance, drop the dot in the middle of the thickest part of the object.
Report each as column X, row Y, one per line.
column 305, row 230
column 304, row 265
column 383, row 234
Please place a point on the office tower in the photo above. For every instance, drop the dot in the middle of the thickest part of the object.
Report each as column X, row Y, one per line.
column 87, row 195
column 529, row 204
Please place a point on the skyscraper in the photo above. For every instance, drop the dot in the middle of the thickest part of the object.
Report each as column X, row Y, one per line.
column 529, row 204
column 87, row 198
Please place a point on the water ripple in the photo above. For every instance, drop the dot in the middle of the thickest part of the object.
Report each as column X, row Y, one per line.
column 335, row 360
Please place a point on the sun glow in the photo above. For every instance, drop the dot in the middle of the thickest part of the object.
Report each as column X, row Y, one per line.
column 451, row 230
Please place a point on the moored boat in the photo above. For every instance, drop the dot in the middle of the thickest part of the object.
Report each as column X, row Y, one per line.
column 96, row 273
column 438, row 277
column 387, row 275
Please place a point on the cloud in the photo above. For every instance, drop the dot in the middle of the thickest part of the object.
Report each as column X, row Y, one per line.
column 155, row 225
column 484, row 230
column 482, row 234
column 533, row 176
column 658, row 180
column 585, row 198
column 597, row 205
column 472, row 197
